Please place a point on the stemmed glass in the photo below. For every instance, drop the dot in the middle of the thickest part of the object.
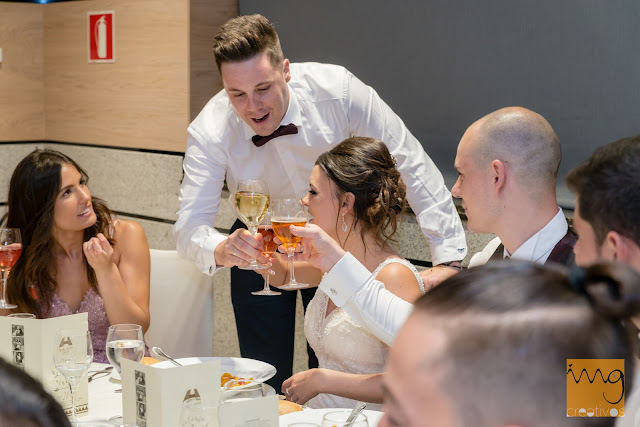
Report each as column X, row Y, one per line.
column 252, row 203
column 10, row 250
column 286, row 212
column 72, row 355
column 269, row 246
column 124, row 341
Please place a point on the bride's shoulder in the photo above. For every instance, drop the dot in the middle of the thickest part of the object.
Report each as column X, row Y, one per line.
column 400, row 277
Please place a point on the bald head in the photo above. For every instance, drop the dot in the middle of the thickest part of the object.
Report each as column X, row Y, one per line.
column 522, row 139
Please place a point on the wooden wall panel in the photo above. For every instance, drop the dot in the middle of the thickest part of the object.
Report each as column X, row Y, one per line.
column 21, row 72
column 206, row 19
column 141, row 100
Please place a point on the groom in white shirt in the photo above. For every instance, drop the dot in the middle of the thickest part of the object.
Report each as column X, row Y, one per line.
column 508, row 162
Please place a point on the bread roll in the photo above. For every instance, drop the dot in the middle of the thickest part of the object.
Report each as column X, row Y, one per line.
column 149, row 361
column 286, row 407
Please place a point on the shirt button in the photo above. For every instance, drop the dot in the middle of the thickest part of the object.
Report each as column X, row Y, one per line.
column 333, row 291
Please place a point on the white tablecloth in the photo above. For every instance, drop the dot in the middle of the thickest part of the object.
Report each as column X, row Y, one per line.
column 104, row 402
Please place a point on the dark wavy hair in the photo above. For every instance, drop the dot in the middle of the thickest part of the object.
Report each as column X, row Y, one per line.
column 364, row 167
column 33, row 190
column 511, row 326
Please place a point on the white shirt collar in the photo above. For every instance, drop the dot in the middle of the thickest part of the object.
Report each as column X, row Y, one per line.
column 542, row 243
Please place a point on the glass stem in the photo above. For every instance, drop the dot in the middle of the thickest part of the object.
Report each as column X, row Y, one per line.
column 292, row 274
column 266, row 281
column 73, row 386
column 5, row 273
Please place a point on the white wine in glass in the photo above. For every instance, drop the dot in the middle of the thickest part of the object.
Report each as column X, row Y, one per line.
column 284, row 213
column 72, row 355
column 252, row 204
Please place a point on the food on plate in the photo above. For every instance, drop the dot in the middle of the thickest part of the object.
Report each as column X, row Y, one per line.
column 226, row 377
column 287, row 407
column 149, row 361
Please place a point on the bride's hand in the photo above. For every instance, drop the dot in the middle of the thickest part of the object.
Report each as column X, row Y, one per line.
column 303, row 386
column 319, row 249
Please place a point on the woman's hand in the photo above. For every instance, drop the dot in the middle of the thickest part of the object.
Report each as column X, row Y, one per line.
column 319, row 249
column 99, row 253
column 303, row 386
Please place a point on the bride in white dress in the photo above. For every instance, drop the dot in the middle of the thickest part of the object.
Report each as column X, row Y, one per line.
column 355, row 196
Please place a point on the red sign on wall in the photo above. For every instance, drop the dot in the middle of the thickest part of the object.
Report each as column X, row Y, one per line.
column 101, row 36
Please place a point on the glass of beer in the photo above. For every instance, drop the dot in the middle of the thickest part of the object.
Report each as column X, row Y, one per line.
column 252, row 203
column 286, row 212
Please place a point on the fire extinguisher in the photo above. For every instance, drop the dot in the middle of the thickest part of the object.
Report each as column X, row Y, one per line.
column 101, row 36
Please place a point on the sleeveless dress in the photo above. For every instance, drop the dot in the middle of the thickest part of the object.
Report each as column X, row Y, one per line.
column 93, row 305
column 98, row 320
column 342, row 345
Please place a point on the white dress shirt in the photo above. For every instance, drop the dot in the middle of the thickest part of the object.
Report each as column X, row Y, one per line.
column 352, row 287
column 328, row 104
column 536, row 249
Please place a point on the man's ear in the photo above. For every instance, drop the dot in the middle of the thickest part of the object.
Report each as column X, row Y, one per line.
column 498, row 172
column 285, row 70
column 619, row 248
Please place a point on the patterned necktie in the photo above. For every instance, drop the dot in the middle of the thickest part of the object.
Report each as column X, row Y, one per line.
column 289, row 129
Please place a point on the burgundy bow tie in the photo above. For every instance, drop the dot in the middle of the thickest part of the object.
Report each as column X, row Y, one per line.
column 289, row 129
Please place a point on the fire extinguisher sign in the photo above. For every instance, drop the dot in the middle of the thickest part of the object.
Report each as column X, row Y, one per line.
column 101, row 36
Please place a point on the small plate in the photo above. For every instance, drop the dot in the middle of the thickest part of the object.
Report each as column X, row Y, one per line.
column 236, row 366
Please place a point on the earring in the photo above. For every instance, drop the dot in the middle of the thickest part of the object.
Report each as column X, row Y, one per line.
column 344, row 224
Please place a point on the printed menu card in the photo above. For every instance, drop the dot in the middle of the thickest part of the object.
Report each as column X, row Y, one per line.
column 28, row 343
column 153, row 397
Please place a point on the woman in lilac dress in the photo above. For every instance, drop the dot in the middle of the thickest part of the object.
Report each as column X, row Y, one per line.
column 76, row 256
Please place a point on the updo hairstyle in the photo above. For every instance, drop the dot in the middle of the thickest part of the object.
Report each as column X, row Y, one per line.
column 364, row 167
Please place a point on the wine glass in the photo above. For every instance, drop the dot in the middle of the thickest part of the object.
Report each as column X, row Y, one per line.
column 339, row 418
column 72, row 355
column 252, row 203
column 286, row 212
column 10, row 250
column 124, row 341
column 269, row 246
column 196, row 412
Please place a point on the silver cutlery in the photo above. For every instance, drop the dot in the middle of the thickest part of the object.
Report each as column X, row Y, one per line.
column 158, row 351
column 99, row 374
column 354, row 414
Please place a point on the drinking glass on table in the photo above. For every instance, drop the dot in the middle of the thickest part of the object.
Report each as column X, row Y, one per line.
column 286, row 212
column 196, row 412
column 339, row 418
column 72, row 355
column 124, row 341
column 10, row 250
column 269, row 246
column 252, row 203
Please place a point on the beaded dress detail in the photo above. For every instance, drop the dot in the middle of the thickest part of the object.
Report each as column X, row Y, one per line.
column 98, row 320
column 342, row 345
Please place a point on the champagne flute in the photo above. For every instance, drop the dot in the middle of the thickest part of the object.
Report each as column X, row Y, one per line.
column 286, row 212
column 72, row 355
column 10, row 250
column 269, row 246
column 252, row 203
column 124, row 341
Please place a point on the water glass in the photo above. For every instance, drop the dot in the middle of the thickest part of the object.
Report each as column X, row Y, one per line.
column 124, row 341
column 23, row 315
column 339, row 418
column 196, row 412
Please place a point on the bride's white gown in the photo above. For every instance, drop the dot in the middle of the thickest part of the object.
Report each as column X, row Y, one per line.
column 342, row 345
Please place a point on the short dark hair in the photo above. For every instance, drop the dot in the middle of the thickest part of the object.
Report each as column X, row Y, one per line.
column 24, row 400
column 510, row 327
column 244, row 37
column 607, row 189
